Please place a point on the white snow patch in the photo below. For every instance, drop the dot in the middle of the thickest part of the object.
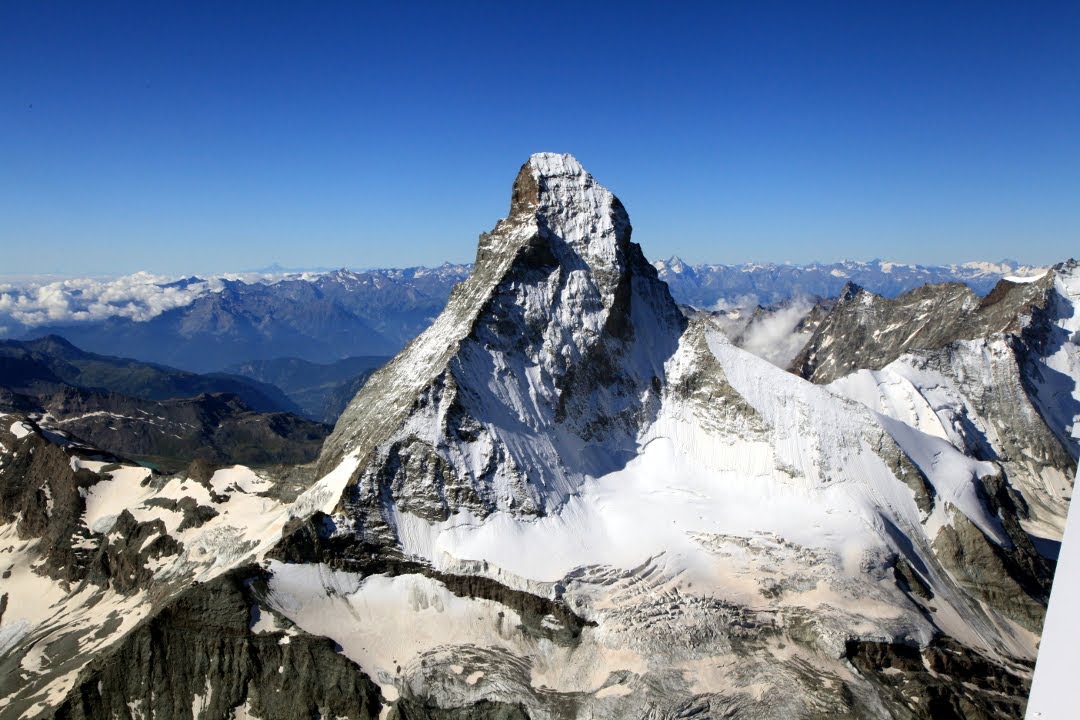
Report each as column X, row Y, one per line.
column 240, row 477
column 324, row 495
column 392, row 619
column 200, row 703
column 122, row 491
column 20, row 429
column 1021, row 279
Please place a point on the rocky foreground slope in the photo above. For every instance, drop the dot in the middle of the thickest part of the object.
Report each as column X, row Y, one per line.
column 563, row 499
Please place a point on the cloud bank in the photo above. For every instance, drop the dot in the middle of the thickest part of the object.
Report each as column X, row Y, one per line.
column 140, row 296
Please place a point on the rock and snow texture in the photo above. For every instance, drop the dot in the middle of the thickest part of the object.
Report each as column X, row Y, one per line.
column 997, row 378
column 567, row 499
column 560, row 431
column 542, row 369
column 90, row 547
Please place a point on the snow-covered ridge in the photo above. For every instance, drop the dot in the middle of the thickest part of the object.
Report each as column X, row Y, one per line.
column 552, row 165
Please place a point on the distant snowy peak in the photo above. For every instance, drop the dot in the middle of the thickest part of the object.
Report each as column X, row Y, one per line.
column 673, row 265
column 999, row 268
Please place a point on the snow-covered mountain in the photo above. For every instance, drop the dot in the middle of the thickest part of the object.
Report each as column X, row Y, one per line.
column 565, row 498
column 994, row 375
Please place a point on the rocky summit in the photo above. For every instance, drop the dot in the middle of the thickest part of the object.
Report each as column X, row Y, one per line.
column 567, row 498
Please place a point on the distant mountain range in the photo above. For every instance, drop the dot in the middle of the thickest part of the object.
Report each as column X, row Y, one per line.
column 321, row 390
column 709, row 286
column 47, row 363
column 204, row 324
column 315, row 317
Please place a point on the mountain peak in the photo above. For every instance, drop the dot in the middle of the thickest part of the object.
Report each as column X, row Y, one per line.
column 849, row 291
column 537, row 174
column 567, row 203
column 563, row 326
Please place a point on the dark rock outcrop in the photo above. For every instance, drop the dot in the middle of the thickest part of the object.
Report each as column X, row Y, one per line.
column 199, row 658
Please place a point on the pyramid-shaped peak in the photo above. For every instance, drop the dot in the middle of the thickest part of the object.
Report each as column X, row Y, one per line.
column 558, row 291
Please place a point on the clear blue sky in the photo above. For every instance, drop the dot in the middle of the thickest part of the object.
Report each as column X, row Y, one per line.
column 189, row 137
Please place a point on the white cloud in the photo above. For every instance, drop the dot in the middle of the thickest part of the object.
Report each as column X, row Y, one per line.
column 40, row 300
column 741, row 303
column 140, row 296
column 773, row 336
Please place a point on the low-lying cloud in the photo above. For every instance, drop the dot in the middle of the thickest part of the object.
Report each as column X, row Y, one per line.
column 775, row 337
column 140, row 296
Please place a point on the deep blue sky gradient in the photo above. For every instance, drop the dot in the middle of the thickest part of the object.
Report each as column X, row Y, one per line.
column 191, row 137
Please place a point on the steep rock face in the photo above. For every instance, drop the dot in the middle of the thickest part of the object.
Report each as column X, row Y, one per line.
column 200, row 658
column 543, row 367
column 909, row 691
column 42, row 496
column 1049, row 355
column 865, row 330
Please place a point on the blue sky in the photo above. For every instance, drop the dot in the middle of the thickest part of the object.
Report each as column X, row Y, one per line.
column 191, row 137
